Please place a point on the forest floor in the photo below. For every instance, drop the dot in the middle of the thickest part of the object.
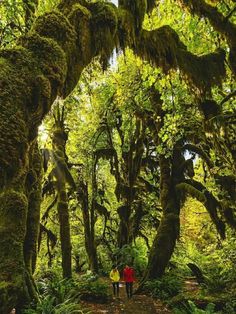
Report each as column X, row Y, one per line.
column 138, row 304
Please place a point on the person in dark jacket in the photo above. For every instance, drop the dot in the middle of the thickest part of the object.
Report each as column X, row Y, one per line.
column 129, row 278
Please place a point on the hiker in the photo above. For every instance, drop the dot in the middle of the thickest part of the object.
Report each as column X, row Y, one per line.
column 13, row 311
column 128, row 277
column 115, row 277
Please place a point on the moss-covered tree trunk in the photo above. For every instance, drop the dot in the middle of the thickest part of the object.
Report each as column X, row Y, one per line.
column 168, row 230
column 63, row 176
column 124, row 236
column 93, row 258
column 170, row 174
column 129, row 170
column 33, row 189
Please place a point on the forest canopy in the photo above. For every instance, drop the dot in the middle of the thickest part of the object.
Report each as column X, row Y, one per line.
column 117, row 146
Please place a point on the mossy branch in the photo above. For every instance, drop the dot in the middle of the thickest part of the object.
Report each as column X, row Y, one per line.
column 212, row 205
column 191, row 190
column 162, row 47
column 200, row 152
column 220, row 23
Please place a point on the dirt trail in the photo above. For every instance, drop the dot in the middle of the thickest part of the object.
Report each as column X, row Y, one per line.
column 138, row 304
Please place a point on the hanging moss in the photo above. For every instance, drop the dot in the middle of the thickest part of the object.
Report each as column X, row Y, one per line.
column 126, row 29
column 162, row 47
column 80, row 17
column 138, row 9
column 220, row 23
column 104, row 28
column 204, row 71
column 213, row 206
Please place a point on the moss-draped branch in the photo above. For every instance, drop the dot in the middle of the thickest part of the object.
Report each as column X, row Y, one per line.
column 212, row 205
column 220, row 23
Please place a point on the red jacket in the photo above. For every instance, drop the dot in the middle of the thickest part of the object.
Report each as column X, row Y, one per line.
column 128, row 274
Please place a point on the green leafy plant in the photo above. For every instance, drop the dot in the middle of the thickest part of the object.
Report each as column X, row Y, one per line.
column 166, row 287
column 134, row 255
column 191, row 308
column 95, row 291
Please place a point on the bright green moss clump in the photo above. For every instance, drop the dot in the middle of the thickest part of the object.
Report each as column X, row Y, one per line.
column 55, row 25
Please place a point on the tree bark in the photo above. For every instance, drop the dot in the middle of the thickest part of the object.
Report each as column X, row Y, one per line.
column 88, row 230
column 168, row 230
column 63, row 176
column 33, row 188
column 63, row 214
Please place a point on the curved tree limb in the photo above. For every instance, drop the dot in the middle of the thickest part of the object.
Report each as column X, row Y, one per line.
column 211, row 203
column 200, row 152
column 219, row 22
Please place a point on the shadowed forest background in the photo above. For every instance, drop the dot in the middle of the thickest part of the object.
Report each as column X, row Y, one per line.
column 117, row 146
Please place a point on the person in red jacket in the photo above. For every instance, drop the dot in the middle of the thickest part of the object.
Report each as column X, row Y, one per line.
column 128, row 277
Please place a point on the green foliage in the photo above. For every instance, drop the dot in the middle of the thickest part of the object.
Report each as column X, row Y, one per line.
column 230, row 306
column 191, row 308
column 58, row 288
column 166, row 287
column 94, row 291
column 56, row 297
column 46, row 306
column 133, row 255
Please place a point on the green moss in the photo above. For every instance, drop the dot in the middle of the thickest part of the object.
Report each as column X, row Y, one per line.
column 12, row 62
column 219, row 22
column 55, row 25
column 51, row 59
column 189, row 189
column 14, row 207
column 104, row 14
column 126, row 29
column 162, row 47
column 103, row 29
column 13, row 144
column 137, row 8
column 204, row 71
column 79, row 17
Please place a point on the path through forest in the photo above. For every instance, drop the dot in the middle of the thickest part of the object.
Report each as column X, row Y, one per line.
column 138, row 304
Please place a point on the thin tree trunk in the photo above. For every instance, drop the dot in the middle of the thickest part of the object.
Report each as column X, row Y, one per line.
column 63, row 176
column 63, row 214
column 89, row 222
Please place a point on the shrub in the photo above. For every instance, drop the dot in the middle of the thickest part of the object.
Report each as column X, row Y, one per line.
column 191, row 308
column 47, row 306
column 166, row 287
column 95, row 291
column 55, row 297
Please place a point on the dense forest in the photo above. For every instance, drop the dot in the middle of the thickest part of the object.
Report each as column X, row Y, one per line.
column 117, row 147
